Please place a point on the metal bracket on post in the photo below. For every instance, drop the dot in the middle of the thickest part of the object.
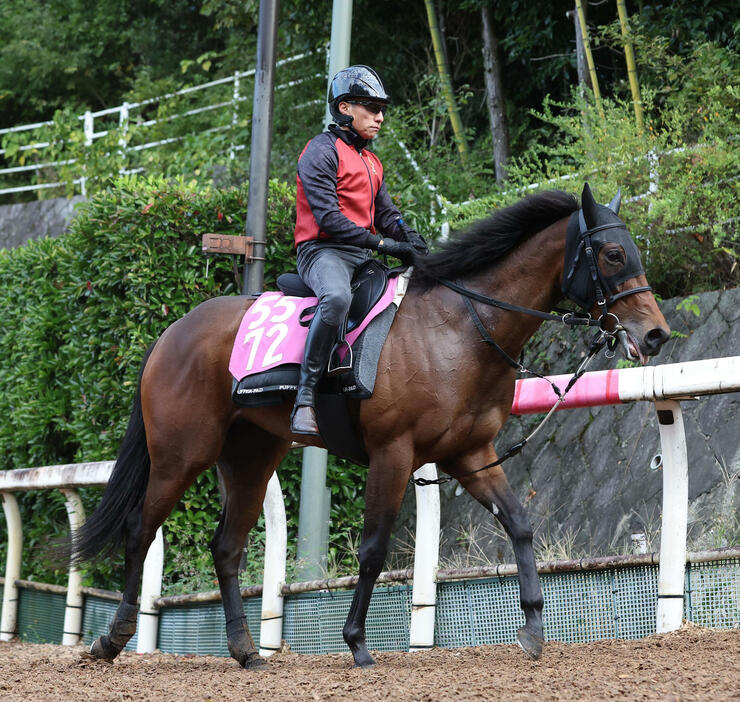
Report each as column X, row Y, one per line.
column 72, row 632
column 672, row 568
column 426, row 560
column 230, row 244
column 9, row 617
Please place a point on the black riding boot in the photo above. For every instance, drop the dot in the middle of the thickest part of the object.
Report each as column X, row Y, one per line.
column 320, row 341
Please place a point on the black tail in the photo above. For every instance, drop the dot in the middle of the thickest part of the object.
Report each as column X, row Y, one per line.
column 104, row 531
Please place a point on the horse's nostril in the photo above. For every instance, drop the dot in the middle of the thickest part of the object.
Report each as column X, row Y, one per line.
column 656, row 337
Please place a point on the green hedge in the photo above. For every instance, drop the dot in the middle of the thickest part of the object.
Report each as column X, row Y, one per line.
column 79, row 312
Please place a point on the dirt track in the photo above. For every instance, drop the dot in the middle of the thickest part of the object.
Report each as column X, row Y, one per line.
column 691, row 664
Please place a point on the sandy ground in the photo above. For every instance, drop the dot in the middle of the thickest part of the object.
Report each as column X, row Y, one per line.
column 690, row 664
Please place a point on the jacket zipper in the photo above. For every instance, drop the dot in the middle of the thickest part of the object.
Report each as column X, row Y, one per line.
column 372, row 191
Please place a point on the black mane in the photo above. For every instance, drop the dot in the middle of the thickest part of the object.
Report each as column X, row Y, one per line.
column 488, row 240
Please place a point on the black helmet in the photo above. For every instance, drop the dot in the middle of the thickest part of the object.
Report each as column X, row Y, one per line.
column 355, row 82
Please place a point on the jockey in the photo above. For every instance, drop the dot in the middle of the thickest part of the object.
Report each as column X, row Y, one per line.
column 343, row 214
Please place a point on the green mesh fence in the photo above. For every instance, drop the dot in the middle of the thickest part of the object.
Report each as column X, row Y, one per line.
column 313, row 621
column 579, row 607
column 713, row 594
column 201, row 628
column 40, row 616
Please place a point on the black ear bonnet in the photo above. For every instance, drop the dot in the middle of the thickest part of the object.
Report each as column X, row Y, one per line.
column 588, row 230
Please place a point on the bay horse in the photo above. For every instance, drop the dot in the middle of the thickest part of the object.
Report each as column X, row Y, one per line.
column 441, row 396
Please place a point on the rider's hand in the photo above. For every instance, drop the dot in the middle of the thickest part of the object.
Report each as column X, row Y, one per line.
column 414, row 238
column 402, row 250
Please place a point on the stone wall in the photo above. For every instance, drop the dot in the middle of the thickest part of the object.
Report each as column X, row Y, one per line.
column 585, row 479
column 22, row 222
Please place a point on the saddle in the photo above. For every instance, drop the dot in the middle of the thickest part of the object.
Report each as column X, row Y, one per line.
column 353, row 366
column 369, row 282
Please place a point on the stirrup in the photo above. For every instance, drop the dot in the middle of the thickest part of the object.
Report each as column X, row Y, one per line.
column 343, row 365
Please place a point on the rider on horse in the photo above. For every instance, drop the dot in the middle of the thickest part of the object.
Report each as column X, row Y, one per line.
column 343, row 213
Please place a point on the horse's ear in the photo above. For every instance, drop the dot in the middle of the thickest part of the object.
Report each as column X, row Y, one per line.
column 616, row 202
column 589, row 206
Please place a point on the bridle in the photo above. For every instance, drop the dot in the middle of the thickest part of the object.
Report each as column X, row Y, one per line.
column 610, row 330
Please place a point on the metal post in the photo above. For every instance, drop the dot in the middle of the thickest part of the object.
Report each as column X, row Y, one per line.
column 276, row 542
column 313, row 515
column 675, row 516
column 151, row 589
column 426, row 560
column 9, row 617
column 259, row 167
column 339, row 45
column 315, row 507
column 72, row 632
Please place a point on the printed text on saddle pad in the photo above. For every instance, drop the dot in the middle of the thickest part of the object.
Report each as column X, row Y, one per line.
column 271, row 335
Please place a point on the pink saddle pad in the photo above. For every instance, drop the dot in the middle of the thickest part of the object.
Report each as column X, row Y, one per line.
column 270, row 333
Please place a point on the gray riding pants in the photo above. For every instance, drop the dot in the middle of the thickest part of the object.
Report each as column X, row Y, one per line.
column 328, row 269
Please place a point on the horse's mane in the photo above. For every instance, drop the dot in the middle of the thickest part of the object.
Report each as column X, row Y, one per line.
column 488, row 240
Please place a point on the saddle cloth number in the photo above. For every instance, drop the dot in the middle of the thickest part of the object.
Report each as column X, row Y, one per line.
column 272, row 313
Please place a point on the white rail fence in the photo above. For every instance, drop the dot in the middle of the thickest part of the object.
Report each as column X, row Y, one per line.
column 664, row 385
column 98, row 124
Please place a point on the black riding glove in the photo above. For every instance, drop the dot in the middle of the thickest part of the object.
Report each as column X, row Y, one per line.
column 402, row 250
column 414, row 238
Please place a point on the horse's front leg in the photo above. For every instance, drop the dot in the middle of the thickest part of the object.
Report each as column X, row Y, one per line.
column 491, row 488
column 386, row 483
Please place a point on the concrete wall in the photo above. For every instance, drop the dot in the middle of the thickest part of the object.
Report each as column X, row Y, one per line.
column 22, row 222
column 586, row 480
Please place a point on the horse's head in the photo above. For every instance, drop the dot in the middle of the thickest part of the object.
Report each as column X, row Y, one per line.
column 604, row 275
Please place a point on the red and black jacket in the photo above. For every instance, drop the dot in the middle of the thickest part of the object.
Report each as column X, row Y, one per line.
column 341, row 193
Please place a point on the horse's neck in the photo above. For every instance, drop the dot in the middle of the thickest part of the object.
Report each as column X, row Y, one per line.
column 530, row 277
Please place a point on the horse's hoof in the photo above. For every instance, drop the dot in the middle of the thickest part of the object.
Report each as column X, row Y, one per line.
column 530, row 643
column 102, row 649
column 253, row 660
column 363, row 660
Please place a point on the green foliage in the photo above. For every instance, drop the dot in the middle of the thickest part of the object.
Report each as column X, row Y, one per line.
column 688, row 304
column 682, row 170
column 74, row 53
column 79, row 312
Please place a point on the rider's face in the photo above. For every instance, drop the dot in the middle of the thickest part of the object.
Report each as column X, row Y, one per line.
column 365, row 120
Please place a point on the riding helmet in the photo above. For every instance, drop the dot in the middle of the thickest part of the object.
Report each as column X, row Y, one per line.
column 359, row 82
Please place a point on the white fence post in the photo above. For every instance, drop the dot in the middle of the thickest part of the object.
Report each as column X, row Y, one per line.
column 72, row 631
column 151, row 589
column 234, row 114
column 675, row 516
column 9, row 617
column 89, row 131
column 276, row 543
column 426, row 560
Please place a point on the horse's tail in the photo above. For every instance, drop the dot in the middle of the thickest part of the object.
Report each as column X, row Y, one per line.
column 103, row 532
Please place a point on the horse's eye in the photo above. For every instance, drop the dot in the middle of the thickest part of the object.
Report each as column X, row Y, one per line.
column 614, row 256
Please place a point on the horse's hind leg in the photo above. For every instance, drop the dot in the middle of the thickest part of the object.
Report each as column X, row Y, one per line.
column 491, row 488
column 141, row 527
column 249, row 458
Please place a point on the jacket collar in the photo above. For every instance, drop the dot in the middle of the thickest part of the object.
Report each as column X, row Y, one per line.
column 349, row 136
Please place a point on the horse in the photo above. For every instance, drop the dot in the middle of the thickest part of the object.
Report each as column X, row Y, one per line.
column 441, row 396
